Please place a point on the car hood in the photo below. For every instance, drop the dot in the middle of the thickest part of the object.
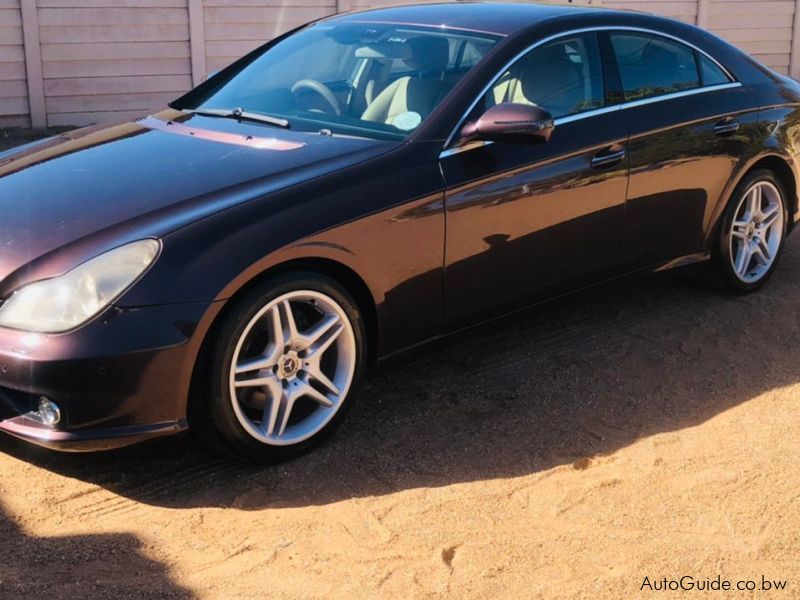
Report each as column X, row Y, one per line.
column 150, row 176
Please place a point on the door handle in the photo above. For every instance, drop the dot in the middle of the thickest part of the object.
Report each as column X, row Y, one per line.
column 608, row 157
column 726, row 126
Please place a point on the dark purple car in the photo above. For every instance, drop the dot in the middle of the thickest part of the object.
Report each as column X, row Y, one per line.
column 361, row 185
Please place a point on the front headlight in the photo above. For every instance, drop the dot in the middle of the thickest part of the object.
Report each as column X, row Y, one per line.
column 69, row 300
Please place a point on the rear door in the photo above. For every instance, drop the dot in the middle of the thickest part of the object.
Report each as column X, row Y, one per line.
column 690, row 123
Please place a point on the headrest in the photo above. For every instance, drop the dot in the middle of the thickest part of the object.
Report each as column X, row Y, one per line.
column 428, row 53
column 384, row 50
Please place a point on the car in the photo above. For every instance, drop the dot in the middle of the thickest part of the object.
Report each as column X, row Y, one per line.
column 360, row 185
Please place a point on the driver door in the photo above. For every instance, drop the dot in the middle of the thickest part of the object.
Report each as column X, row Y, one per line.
column 530, row 219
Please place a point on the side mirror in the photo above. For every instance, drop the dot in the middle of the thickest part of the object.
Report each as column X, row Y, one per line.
column 508, row 120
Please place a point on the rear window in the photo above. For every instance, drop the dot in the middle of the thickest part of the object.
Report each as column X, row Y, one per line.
column 651, row 65
column 710, row 72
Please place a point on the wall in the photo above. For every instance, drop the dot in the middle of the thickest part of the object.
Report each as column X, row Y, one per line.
column 13, row 89
column 75, row 62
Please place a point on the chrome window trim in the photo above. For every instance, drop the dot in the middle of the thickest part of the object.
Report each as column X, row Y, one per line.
column 692, row 92
column 608, row 29
column 601, row 111
column 465, row 148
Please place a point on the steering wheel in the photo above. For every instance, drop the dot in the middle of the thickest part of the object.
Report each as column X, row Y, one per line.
column 321, row 89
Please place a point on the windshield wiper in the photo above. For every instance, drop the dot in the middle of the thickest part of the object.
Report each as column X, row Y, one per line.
column 242, row 115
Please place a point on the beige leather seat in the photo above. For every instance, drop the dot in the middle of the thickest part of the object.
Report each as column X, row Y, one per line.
column 417, row 94
column 548, row 78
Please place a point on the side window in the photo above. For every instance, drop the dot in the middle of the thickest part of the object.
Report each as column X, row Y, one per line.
column 711, row 73
column 651, row 65
column 564, row 77
column 471, row 54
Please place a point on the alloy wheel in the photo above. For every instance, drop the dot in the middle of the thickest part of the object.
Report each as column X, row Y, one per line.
column 292, row 367
column 756, row 231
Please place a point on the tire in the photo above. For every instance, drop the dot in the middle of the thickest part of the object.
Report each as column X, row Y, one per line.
column 741, row 227
column 246, row 369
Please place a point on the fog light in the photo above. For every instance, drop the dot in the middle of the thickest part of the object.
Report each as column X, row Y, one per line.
column 49, row 413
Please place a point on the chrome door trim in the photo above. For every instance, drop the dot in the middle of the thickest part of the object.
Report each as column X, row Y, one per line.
column 607, row 29
column 601, row 111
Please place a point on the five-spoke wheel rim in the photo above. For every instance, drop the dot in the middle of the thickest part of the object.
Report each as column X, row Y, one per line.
column 292, row 367
column 756, row 232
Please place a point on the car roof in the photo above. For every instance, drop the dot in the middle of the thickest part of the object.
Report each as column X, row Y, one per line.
column 500, row 18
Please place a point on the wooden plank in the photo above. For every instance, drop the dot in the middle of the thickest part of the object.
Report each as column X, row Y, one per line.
column 667, row 9
column 110, row 102
column 263, row 3
column 217, row 63
column 116, row 85
column 33, row 64
column 118, row 50
column 11, row 71
column 235, row 48
column 51, row 17
column 12, row 54
column 101, row 68
column 14, row 121
column 776, row 61
column 774, row 8
column 759, row 21
column 703, row 8
column 756, row 35
column 111, row 3
column 16, row 88
column 794, row 56
column 266, row 14
column 10, row 36
column 197, row 41
column 78, row 34
column 223, row 32
column 10, row 17
column 14, row 106
column 767, row 47
column 90, row 118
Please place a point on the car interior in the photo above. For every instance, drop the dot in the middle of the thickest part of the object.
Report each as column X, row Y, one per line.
column 382, row 77
column 563, row 78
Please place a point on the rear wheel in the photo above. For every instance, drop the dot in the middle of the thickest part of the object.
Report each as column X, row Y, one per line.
column 287, row 361
column 752, row 232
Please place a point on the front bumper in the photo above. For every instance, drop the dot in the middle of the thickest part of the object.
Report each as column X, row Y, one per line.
column 120, row 379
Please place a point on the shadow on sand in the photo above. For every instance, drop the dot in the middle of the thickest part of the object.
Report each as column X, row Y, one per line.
column 556, row 385
column 79, row 566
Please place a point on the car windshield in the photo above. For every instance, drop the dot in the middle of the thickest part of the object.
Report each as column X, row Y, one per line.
column 361, row 79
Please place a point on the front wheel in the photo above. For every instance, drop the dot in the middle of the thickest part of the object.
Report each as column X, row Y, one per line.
column 752, row 232
column 287, row 361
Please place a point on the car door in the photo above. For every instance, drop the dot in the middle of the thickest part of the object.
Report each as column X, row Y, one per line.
column 526, row 219
column 690, row 124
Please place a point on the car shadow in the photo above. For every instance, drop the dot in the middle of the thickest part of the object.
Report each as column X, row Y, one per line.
column 556, row 385
column 79, row 566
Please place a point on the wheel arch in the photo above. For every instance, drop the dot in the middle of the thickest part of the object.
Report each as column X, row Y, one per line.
column 777, row 164
column 336, row 270
column 342, row 274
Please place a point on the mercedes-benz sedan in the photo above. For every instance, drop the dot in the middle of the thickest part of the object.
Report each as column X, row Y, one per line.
column 358, row 186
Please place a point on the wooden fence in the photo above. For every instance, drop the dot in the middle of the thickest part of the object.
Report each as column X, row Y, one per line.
column 74, row 62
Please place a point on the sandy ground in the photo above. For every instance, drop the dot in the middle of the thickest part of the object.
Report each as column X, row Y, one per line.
column 644, row 428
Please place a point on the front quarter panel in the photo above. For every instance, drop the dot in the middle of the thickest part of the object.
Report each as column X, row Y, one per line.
column 382, row 219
